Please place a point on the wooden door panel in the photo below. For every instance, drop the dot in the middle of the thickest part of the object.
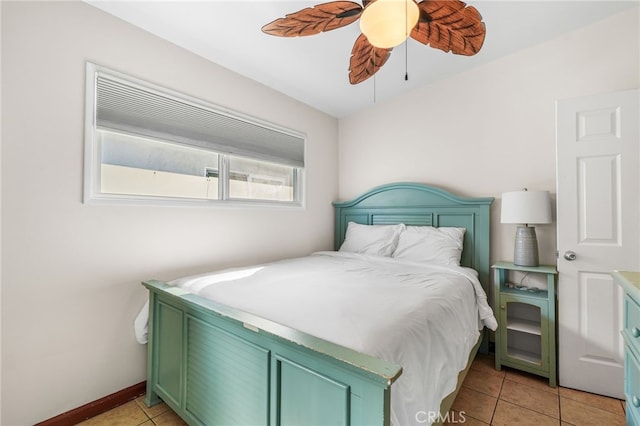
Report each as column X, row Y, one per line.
column 601, row 341
column 599, row 216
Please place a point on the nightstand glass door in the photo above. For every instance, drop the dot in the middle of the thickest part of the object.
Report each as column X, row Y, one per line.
column 526, row 322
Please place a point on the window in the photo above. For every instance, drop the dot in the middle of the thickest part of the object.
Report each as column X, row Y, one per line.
column 147, row 144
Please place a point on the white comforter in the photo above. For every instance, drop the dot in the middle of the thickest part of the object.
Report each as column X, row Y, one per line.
column 424, row 318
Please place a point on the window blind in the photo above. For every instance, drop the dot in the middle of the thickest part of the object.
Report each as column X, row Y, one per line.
column 133, row 108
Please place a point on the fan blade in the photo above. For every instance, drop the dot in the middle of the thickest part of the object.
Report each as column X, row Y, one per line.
column 450, row 26
column 366, row 60
column 314, row 20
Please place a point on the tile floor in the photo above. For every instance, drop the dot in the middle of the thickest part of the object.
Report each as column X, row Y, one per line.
column 507, row 397
column 511, row 397
column 136, row 413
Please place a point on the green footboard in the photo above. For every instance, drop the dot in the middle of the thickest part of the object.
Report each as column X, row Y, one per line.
column 214, row 365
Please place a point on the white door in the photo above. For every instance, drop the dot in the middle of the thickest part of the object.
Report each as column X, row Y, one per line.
column 598, row 221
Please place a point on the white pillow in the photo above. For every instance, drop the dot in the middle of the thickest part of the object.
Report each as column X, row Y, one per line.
column 380, row 240
column 440, row 246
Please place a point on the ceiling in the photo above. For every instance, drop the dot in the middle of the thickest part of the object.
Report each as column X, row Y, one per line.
column 314, row 69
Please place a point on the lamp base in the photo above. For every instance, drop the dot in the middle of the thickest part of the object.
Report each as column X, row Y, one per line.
column 526, row 248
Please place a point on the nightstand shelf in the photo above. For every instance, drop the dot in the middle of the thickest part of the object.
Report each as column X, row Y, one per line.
column 526, row 336
column 525, row 326
column 537, row 294
column 524, row 355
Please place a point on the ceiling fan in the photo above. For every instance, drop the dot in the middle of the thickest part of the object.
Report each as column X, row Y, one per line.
column 448, row 25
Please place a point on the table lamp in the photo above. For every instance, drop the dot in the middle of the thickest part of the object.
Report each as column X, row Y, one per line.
column 526, row 208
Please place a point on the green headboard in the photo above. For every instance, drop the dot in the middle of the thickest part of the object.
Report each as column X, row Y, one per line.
column 424, row 205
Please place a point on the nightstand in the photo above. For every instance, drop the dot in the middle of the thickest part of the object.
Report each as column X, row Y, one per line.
column 526, row 335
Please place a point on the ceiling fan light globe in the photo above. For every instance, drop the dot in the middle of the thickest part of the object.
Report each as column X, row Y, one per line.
column 387, row 23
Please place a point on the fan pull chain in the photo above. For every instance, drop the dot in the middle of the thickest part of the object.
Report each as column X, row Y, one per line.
column 406, row 61
column 374, row 88
column 406, row 42
column 373, row 55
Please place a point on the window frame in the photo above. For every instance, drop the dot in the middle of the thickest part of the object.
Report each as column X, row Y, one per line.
column 92, row 193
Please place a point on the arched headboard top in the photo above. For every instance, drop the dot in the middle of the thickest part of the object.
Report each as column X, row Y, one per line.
column 417, row 204
column 410, row 194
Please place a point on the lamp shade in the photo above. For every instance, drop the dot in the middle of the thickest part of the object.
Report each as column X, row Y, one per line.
column 526, row 207
column 387, row 23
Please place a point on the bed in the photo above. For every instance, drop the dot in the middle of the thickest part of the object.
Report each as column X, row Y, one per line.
column 214, row 360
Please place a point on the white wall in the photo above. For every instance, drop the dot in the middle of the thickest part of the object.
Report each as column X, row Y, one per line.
column 491, row 129
column 71, row 272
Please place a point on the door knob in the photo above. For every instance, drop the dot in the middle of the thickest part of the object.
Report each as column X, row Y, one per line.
column 570, row 255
